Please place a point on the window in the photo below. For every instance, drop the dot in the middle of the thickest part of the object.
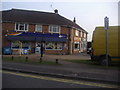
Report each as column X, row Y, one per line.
column 26, row 45
column 15, row 44
column 53, row 46
column 54, row 29
column 77, row 46
column 38, row 44
column 21, row 27
column 77, row 33
column 81, row 34
column 85, row 35
column 38, row 28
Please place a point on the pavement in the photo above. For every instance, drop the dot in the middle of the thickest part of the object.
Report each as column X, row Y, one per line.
column 66, row 69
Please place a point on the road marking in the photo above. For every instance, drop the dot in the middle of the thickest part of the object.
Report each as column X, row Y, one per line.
column 61, row 80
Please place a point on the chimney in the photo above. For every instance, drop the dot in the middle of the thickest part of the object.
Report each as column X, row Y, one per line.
column 56, row 11
column 74, row 20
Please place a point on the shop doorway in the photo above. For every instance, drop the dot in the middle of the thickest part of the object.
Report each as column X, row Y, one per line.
column 38, row 47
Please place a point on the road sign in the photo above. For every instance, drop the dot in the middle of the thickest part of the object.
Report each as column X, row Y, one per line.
column 106, row 25
column 106, row 22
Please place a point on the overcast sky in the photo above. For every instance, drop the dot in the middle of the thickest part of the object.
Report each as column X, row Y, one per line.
column 88, row 14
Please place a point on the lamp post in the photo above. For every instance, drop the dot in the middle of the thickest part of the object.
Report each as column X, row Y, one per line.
column 106, row 25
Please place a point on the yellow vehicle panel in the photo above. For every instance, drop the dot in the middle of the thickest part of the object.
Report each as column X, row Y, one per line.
column 99, row 42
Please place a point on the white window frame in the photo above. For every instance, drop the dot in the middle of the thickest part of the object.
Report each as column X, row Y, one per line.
column 52, row 27
column 19, row 27
column 52, row 49
column 85, row 35
column 76, row 32
column 36, row 27
column 81, row 34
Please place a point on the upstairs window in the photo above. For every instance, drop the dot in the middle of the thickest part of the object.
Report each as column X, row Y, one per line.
column 21, row 27
column 81, row 34
column 54, row 29
column 38, row 28
column 85, row 35
column 77, row 33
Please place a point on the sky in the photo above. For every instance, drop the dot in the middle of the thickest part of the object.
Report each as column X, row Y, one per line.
column 88, row 14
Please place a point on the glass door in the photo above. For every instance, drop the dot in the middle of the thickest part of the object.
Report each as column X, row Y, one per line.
column 38, row 47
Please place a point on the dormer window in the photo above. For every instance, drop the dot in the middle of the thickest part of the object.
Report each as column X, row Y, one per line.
column 21, row 27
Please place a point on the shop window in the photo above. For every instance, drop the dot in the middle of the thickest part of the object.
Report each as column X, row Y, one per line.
column 21, row 27
column 15, row 44
column 53, row 46
column 54, row 29
column 38, row 28
column 26, row 45
column 76, row 46
column 38, row 44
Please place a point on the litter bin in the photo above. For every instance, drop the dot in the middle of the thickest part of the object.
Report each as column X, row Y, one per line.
column 7, row 51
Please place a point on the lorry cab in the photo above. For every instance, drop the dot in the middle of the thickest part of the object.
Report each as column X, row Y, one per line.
column 98, row 50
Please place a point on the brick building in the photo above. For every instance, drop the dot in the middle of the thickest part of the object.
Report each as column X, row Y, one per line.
column 26, row 30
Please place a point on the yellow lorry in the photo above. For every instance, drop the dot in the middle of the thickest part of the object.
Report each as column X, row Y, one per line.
column 98, row 47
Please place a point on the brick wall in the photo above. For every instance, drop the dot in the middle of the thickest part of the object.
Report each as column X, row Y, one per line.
column 56, row 51
column 31, row 27
column 76, row 52
column 64, row 30
column 6, row 27
column 45, row 28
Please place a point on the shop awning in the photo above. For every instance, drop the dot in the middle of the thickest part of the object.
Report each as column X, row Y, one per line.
column 31, row 36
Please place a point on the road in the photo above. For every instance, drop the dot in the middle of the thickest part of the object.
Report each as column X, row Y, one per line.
column 23, row 80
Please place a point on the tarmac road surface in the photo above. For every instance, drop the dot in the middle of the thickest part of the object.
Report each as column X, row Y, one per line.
column 23, row 80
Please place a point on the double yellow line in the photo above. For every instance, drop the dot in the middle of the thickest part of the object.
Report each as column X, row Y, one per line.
column 62, row 80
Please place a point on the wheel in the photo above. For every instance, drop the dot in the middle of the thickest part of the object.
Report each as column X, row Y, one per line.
column 103, row 60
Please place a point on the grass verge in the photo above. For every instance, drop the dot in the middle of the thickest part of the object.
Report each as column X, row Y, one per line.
column 24, row 60
column 114, row 64
column 80, row 61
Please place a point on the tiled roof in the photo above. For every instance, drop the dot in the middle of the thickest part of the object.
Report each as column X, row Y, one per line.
column 28, row 16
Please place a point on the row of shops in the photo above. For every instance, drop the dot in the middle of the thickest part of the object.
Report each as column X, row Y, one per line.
column 32, row 44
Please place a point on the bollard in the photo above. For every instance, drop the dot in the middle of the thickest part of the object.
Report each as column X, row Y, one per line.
column 12, row 58
column 26, row 58
column 40, row 59
column 56, row 61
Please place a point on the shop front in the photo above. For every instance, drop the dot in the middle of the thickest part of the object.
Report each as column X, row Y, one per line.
column 26, row 42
